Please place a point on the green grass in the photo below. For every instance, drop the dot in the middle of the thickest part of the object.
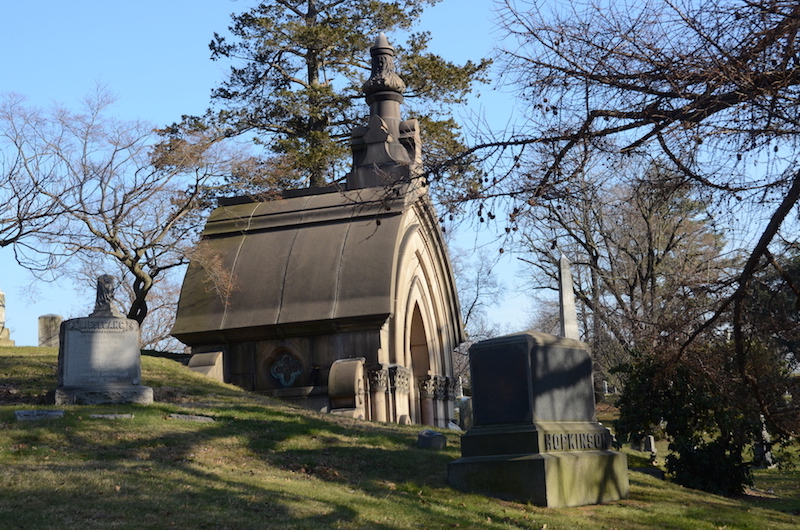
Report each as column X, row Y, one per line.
column 263, row 464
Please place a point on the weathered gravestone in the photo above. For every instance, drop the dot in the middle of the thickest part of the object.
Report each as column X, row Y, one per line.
column 536, row 437
column 99, row 356
column 5, row 333
column 429, row 439
column 49, row 326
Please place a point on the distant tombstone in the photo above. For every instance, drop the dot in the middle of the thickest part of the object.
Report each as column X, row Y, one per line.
column 465, row 413
column 49, row 326
column 5, row 333
column 566, row 292
column 649, row 444
column 536, row 437
column 762, row 449
column 99, row 356
column 429, row 439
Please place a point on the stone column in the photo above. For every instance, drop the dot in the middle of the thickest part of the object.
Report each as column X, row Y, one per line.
column 49, row 326
column 426, row 396
column 399, row 387
column 453, row 389
column 440, row 399
column 378, row 377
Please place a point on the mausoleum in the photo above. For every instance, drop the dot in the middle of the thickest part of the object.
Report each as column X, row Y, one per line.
column 341, row 298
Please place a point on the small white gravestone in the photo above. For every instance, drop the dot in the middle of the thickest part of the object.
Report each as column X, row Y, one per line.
column 99, row 356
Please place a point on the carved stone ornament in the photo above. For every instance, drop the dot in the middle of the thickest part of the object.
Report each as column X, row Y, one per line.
column 427, row 388
column 400, row 378
column 452, row 388
column 286, row 369
column 440, row 387
column 104, row 300
column 378, row 379
column 383, row 77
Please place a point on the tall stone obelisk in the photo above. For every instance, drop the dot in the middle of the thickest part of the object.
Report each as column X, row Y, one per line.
column 566, row 298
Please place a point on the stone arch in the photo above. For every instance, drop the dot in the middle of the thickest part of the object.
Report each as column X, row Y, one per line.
column 419, row 326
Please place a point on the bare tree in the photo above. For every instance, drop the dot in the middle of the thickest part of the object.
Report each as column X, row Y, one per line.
column 122, row 197
column 24, row 172
column 647, row 266
column 478, row 290
column 709, row 87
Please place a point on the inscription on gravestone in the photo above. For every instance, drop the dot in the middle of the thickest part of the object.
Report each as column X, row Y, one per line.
column 98, row 357
column 102, row 351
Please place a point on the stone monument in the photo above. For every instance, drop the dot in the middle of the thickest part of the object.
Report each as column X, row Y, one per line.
column 536, row 437
column 99, row 356
column 566, row 292
column 5, row 333
column 49, row 326
column 355, row 270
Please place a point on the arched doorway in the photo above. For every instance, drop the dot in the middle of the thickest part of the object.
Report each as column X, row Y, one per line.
column 422, row 400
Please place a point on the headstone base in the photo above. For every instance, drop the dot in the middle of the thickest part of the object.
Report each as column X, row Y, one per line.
column 5, row 334
column 105, row 394
column 556, row 480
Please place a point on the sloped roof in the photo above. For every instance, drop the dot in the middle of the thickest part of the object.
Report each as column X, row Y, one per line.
column 314, row 262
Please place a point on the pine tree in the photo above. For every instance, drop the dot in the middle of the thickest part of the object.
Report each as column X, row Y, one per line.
column 296, row 76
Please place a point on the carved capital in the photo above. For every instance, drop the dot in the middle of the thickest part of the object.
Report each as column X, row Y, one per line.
column 427, row 388
column 378, row 377
column 440, row 387
column 452, row 388
column 400, row 378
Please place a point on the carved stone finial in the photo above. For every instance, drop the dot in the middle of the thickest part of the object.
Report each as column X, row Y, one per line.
column 103, row 305
column 387, row 150
column 383, row 77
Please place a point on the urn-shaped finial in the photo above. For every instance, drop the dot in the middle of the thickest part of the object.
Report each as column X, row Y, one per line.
column 383, row 77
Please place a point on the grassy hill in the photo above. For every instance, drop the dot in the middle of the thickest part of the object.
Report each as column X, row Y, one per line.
column 263, row 464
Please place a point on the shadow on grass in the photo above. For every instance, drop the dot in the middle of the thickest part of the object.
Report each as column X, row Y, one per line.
column 287, row 465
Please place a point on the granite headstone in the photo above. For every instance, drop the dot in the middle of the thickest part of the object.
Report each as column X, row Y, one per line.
column 99, row 356
column 536, row 437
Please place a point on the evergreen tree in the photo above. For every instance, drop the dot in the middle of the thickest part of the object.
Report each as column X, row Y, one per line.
column 295, row 83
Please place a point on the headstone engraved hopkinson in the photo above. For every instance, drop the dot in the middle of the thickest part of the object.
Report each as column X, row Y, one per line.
column 535, row 435
column 98, row 356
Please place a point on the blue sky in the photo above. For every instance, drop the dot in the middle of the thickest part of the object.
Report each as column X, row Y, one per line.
column 153, row 54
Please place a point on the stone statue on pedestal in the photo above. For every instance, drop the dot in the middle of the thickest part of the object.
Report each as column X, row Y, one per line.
column 99, row 356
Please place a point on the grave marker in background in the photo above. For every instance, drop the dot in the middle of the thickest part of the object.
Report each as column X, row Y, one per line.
column 99, row 356
column 49, row 327
column 5, row 333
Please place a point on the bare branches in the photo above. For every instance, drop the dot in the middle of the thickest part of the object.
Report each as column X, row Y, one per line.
column 106, row 192
column 710, row 89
